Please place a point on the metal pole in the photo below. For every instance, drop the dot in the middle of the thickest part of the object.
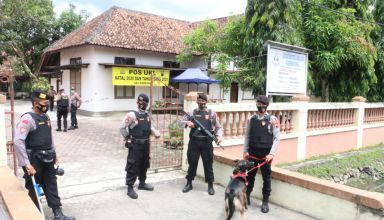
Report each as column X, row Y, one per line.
column 12, row 94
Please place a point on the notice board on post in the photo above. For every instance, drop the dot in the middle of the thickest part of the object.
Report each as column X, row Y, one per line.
column 287, row 68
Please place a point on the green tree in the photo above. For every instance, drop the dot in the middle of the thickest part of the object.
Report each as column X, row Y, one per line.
column 342, row 53
column 25, row 29
column 376, row 92
column 267, row 20
column 68, row 21
column 41, row 83
column 220, row 44
column 28, row 27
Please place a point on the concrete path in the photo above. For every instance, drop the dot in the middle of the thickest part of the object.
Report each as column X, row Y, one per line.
column 94, row 157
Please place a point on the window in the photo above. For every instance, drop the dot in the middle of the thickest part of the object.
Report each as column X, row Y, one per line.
column 171, row 64
column 75, row 61
column 75, row 80
column 124, row 92
column 125, row 60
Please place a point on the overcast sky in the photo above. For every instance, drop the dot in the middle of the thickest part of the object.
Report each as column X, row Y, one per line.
column 188, row 10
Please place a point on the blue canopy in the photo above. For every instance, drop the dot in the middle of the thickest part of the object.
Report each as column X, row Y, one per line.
column 193, row 75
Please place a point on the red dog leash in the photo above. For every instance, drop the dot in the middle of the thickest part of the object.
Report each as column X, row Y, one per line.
column 259, row 165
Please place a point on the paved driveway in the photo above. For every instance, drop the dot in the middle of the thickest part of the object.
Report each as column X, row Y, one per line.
column 93, row 157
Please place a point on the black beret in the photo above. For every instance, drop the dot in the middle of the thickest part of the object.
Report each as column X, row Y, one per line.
column 202, row 96
column 143, row 97
column 38, row 94
column 263, row 99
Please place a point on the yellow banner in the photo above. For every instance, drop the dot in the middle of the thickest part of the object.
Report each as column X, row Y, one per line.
column 127, row 76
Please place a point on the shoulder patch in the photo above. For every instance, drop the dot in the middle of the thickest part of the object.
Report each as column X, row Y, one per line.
column 25, row 121
column 23, row 129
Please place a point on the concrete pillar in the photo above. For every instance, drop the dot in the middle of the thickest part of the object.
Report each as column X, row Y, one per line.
column 3, row 146
column 189, row 105
column 300, row 124
column 359, row 120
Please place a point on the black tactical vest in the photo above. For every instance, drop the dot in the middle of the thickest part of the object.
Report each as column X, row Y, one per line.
column 261, row 134
column 143, row 129
column 205, row 118
column 63, row 102
column 41, row 138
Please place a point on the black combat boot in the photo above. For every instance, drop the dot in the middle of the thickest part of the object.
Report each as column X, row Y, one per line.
column 211, row 191
column 58, row 215
column 131, row 193
column 264, row 205
column 248, row 198
column 145, row 186
column 188, row 186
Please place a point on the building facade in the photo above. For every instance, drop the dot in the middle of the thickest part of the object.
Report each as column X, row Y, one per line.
column 84, row 60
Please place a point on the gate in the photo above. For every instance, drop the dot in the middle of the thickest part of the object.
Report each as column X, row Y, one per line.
column 165, row 111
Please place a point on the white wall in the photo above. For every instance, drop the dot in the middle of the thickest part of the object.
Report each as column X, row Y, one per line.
column 97, row 90
column 96, row 80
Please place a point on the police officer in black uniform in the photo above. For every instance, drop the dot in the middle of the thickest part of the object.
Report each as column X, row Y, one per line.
column 136, row 128
column 36, row 153
column 262, row 138
column 62, row 110
column 200, row 144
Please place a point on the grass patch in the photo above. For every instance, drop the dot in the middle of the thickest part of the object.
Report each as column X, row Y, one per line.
column 339, row 165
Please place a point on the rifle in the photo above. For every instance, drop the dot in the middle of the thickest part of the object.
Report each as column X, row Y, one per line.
column 200, row 127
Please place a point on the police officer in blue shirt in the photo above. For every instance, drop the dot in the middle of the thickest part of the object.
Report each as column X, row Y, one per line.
column 36, row 153
column 136, row 128
column 62, row 110
column 262, row 138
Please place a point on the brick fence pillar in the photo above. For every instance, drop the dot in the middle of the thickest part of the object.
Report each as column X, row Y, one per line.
column 359, row 101
column 301, row 125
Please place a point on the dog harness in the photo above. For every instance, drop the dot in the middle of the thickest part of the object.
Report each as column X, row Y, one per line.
column 240, row 175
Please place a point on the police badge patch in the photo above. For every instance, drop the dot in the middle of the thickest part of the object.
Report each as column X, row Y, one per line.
column 206, row 117
column 263, row 123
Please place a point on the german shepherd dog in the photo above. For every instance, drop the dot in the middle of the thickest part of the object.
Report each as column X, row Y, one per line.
column 235, row 193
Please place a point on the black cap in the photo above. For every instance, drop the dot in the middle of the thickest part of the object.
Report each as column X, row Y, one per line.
column 143, row 97
column 202, row 96
column 38, row 94
column 263, row 99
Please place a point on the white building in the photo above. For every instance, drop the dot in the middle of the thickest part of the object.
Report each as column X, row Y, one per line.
column 84, row 59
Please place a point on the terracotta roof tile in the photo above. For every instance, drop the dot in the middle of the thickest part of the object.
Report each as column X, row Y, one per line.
column 118, row 27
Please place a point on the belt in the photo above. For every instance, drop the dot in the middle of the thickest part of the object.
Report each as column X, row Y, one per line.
column 44, row 151
column 200, row 138
column 140, row 141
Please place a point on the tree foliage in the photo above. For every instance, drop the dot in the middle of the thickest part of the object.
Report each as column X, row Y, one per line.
column 218, row 44
column 68, row 21
column 267, row 20
column 29, row 26
column 346, row 42
column 40, row 83
column 342, row 51
column 25, row 26
column 376, row 92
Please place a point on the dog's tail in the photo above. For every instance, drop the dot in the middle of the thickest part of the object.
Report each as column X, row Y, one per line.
column 231, row 205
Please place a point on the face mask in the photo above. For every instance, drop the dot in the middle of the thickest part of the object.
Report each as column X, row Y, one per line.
column 142, row 105
column 201, row 103
column 42, row 108
column 261, row 109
